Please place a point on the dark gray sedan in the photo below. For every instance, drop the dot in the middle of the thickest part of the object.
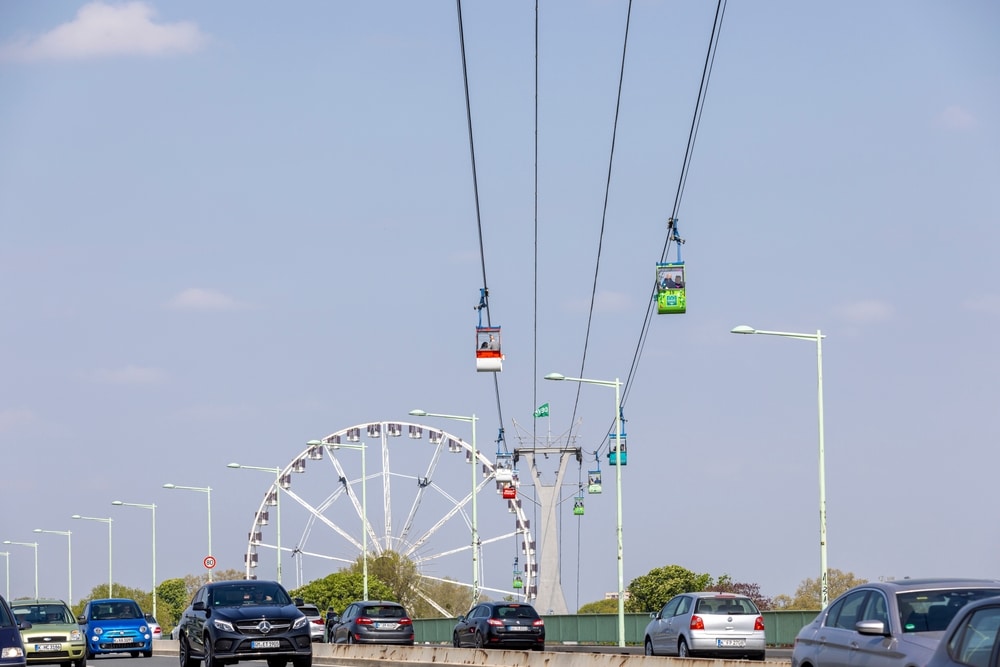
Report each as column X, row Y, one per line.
column 886, row 624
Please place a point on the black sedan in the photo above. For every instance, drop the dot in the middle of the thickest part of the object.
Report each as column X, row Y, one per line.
column 229, row 621
column 500, row 624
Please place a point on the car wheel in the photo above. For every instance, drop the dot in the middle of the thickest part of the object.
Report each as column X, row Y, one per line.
column 649, row 647
column 147, row 654
column 538, row 647
column 134, row 654
column 682, row 649
column 90, row 653
column 454, row 640
column 479, row 640
column 305, row 661
column 82, row 662
column 210, row 659
column 350, row 638
column 276, row 662
column 184, row 651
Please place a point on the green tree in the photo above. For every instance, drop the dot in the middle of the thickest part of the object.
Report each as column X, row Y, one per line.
column 725, row 584
column 341, row 588
column 807, row 595
column 394, row 570
column 606, row 606
column 171, row 599
column 649, row 592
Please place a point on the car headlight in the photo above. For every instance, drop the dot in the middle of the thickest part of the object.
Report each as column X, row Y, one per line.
column 143, row 628
column 12, row 652
column 220, row 624
column 299, row 622
column 75, row 636
column 98, row 631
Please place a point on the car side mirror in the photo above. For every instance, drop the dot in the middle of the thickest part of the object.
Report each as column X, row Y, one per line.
column 24, row 625
column 198, row 606
column 461, row 618
column 871, row 628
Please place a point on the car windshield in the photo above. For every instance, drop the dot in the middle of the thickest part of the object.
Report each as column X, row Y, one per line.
column 42, row 613
column 384, row 611
column 115, row 611
column 247, row 594
column 515, row 611
column 726, row 605
column 931, row 611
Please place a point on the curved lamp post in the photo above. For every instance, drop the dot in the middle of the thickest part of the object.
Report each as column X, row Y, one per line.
column 818, row 339
column 618, row 490
column 107, row 521
column 364, row 504
column 33, row 545
column 69, row 556
column 152, row 508
column 207, row 490
column 475, row 458
column 277, row 498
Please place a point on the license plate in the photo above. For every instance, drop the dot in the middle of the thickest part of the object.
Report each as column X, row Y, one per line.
column 48, row 647
column 386, row 626
column 123, row 640
column 732, row 643
column 265, row 643
column 518, row 628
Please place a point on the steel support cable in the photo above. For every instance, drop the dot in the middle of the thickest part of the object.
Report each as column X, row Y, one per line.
column 706, row 76
column 475, row 188
column 604, row 216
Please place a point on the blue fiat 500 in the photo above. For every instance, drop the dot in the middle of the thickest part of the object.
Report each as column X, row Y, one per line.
column 116, row 626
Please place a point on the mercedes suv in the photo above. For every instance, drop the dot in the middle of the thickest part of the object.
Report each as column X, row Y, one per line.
column 229, row 621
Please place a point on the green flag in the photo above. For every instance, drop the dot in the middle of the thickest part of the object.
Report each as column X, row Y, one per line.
column 542, row 410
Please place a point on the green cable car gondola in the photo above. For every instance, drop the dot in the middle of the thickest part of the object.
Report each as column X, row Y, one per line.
column 578, row 505
column 671, row 291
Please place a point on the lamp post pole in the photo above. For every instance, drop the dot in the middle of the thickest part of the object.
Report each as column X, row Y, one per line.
column 207, row 490
column 277, row 501
column 818, row 338
column 69, row 556
column 33, row 545
column 6, row 555
column 475, row 459
column 364, row 505
column 107, row 521
column 152, row 508
column 618, row 490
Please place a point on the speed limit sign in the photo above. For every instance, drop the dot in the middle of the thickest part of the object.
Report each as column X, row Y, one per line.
column 209, row 562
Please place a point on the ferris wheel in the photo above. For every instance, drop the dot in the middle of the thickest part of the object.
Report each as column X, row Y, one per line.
column 351, row 500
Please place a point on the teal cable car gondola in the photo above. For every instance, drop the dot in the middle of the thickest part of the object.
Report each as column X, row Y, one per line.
column 619, row 454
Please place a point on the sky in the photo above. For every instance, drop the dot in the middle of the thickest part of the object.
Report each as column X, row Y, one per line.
column 229, row 228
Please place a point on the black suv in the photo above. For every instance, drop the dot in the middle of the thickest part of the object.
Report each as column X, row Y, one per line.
column 229, row 621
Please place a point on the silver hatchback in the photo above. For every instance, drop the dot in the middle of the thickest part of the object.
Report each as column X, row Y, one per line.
column 707, row 624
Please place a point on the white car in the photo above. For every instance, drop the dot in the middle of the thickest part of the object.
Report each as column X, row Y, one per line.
column 707, row 624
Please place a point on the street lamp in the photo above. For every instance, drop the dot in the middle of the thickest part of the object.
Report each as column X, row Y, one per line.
column 6, row 555
column 618, row 489
column 475, row 530
column 69, row 555
column 277, row 498
column 207, row 490
column 152, row 508
column 107, row 521
column 824, row 590
column 33, row 545
column 364, row 505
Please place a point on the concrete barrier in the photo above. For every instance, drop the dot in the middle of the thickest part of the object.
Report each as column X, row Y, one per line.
column 360, row 655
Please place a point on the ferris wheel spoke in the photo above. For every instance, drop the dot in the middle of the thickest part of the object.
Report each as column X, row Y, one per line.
column 422, row 484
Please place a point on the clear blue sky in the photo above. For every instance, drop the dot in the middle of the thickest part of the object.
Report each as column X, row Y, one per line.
column 231, row 227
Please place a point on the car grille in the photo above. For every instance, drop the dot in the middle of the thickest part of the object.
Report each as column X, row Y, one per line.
column 122, row 645
column 44, row 639
column 47, row 656
column 278, row 626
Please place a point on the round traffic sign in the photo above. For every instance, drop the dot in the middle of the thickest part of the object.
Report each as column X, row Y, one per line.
column 209, row 562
